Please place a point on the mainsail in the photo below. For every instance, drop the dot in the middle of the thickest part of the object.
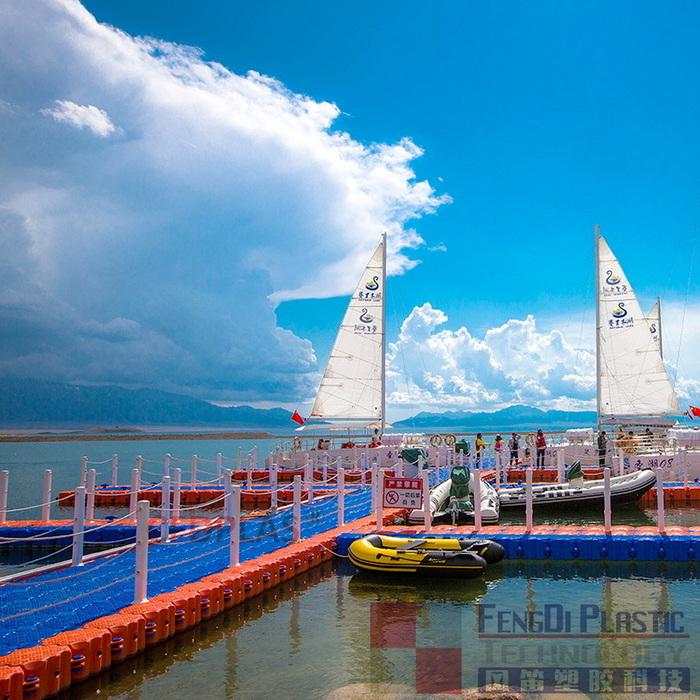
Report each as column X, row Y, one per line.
column 653, row 318
column 352, row 388
column 632, row 378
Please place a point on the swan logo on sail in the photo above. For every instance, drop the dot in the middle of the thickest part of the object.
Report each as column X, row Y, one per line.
column 366, row 317
column 611, row 278
column 373, row 292
column 620, row 311
column 652, row 329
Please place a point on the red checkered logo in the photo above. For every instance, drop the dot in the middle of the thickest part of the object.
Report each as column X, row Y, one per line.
column 393, row 626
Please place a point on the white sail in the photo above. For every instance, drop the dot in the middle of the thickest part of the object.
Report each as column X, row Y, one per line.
column 653, row 319
column 352, row 387
column 632, row 378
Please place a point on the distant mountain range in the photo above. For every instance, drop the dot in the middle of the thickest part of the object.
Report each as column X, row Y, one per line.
column 517, row 417
column 31, row 402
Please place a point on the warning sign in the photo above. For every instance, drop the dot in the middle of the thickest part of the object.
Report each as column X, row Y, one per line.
column 402, row 493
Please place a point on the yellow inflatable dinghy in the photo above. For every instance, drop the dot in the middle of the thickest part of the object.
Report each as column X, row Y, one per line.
column 447, row 556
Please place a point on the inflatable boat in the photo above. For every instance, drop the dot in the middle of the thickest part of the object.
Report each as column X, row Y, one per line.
column 452, row 501
column 623, row 489
column 448, row 556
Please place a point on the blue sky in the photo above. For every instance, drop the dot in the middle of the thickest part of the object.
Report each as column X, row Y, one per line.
column 536, row 119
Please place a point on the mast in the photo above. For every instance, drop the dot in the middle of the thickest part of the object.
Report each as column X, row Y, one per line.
column 661, row 341
column 382, row 420
column 596, row 234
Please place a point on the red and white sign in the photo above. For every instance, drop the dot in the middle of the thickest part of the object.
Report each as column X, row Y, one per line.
column 402, row 493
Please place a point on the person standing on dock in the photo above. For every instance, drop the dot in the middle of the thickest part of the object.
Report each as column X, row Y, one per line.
column 480, row 445
column 514, row 447
column 602, row 448
column 499, row 448
column 540, row 446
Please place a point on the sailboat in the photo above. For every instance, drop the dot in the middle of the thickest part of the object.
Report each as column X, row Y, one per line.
column 352, row 392
column 633, row 385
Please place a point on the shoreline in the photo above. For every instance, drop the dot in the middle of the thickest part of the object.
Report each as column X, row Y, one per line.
column 126, row 437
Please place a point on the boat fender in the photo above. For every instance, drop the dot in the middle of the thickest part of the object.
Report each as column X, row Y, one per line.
column 519, row 551
column 435, row 440
column 661, row 554
column 575, row 551
column 691, row 552
column 632, row 554
column 547, row 551
column 603, row 552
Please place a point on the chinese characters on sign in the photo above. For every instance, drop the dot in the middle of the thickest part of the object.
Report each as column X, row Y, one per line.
column 402, row 493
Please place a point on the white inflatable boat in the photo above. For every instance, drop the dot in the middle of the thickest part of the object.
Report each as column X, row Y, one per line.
column 623, row 489
column 446, row 507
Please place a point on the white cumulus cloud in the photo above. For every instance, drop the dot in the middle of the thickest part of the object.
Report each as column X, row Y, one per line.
column 435, row 367
column 81, row 116
column 156, row 258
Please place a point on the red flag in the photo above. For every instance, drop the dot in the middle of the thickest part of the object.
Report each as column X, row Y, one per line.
column 298, row 419
column 694, row 411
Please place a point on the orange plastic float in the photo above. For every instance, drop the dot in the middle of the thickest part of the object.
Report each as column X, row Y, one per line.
column 128, row 634
column 11, row 683
column 91, row 650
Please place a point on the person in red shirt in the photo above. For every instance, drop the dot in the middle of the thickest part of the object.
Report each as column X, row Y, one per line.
column 541, row 445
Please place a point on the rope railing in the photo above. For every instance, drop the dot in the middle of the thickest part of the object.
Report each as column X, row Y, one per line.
column 83, row 570
column 45, row 536
column 38, row 505
column 78, row 596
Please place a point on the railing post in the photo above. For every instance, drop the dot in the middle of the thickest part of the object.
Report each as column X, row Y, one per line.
column 177, row 487
column 166, row 464
column 165, row 509
column 660, row 505
column 135, row 486
column 219, row 467
column 273, row 487
column 235, row 526
column 528, row 500
column 115, row 469
column 139, row 463
column 561, row 468
column 340, row 490
column 194, row 462
column 78, row 525
column 46, row 496
column 620, row 459
column 427, row 515
column 378, row 497
column 249, row 475
column 607, row 501
column 4, row 487
column 239, row 459
column 141, row 573
column 373, row 490
column 309, row 479
column 296, row 510
column 683, row 457
column 91, row 483
column 83, row 470
column 477, row 500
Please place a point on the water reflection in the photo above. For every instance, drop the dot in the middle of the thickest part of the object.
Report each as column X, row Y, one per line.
column 333, row 628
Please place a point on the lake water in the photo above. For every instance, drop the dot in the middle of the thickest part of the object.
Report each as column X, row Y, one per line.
column 336, row 634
